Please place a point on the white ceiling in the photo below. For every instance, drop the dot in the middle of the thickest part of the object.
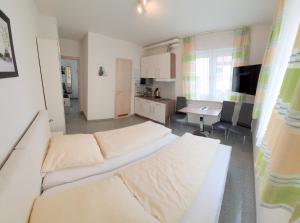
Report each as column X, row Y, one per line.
column 164, row 18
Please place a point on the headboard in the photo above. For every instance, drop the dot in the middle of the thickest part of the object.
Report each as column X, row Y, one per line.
column 20, row 177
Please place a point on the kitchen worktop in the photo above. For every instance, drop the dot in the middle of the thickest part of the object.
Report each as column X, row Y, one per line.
column 152, row 98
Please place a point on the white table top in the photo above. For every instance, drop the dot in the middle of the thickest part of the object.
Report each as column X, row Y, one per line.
column 199, row 111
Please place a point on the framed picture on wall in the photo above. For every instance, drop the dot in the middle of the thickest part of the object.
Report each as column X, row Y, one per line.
column 8, row 65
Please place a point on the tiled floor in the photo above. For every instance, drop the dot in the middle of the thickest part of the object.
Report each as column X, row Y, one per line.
column 238, row 203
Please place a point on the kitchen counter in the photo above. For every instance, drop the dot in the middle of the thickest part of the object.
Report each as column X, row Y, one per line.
column 169, row 106
column 160, row 100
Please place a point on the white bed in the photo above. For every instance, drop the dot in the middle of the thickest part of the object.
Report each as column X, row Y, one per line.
column 57, row 178
column 40, row 129
column 23, row 169
column 207, row 205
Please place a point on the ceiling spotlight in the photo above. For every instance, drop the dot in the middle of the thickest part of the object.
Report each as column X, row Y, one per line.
column 139, row 8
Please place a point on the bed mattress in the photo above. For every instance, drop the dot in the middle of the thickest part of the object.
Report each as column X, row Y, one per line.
column 207, row 204
column 60, row 177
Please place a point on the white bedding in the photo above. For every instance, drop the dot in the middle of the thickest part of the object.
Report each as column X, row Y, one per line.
column 119, row 142
column 106, row 200
column 207, row 205
column 166, row 184
column 57, row 178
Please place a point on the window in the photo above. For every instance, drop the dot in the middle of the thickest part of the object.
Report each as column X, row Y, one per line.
column 69, row 76
column 214, row 74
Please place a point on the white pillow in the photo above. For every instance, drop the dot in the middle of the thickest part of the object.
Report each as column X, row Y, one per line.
column 119, row 142
column 67, row 151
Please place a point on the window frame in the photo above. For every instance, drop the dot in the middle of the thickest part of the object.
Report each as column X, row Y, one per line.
column 212, row 55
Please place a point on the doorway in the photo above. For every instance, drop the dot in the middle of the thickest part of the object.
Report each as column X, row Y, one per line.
column 123, row 87
column 71, row 84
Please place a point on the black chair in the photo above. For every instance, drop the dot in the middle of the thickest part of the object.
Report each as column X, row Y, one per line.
column 181, row 102
column 243, row 126
column 226, row 117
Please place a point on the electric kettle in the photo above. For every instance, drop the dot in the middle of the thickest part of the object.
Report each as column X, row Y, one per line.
column 157, row 93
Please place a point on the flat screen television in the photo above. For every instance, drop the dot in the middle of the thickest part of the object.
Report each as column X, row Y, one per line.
column 245, row 78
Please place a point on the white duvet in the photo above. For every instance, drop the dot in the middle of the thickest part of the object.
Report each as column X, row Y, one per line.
column 167, row 183
column 103, row 201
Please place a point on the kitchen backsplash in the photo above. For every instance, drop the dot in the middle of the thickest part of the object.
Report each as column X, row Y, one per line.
column 167, row 89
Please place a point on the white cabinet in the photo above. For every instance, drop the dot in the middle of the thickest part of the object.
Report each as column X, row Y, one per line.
column 138, row 107
column 159, row 112
column 146, row 108
column 150, row 109
column 161, row 66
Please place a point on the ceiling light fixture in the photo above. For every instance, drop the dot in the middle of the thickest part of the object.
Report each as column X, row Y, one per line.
column 141, row 6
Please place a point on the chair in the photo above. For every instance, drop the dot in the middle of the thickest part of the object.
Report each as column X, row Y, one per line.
column 226, row 117
column 181, row 102
column 243, row 126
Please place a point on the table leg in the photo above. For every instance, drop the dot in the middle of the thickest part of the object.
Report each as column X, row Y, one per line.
column 201, row 125
column 201, row 131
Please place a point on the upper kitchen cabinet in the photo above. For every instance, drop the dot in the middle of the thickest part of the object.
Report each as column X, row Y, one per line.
column 161, row 66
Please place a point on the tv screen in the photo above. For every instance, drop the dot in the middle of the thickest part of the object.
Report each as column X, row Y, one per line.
column 245, row 78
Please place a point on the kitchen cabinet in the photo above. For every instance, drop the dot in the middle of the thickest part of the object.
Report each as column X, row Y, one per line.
column 138, row 107
column 160, row 66
column 156, row 110
column 159, row 112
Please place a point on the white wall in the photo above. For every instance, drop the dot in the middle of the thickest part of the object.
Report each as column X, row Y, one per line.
column 48, row 34
column 70, row 48
column 21, row 97
column 103, row 51
column 52, row 82
column 47, row 27
column 214, row 40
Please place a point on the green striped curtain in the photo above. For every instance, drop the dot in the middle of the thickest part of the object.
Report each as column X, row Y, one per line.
column 189, row 67
column 278, row 161
column 268, row 62
column 240, row 56
column 241, row 46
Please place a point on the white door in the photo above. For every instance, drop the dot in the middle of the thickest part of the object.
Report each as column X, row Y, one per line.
column 49, row 57
column 123, row 87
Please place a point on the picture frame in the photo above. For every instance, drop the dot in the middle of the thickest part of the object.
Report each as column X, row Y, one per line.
column 8, row 65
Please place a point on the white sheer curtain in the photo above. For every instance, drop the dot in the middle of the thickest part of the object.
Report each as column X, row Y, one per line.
column 291, row 18
column 214, row 74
